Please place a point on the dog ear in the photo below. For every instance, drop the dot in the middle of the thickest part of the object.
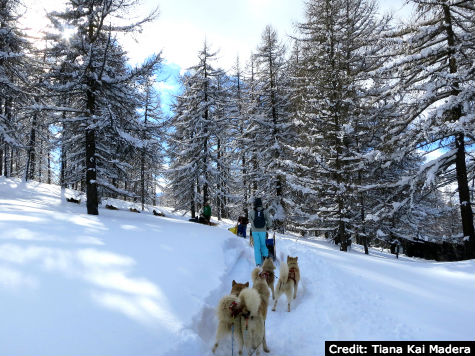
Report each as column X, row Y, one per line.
column 247, row 284
column 234, row 282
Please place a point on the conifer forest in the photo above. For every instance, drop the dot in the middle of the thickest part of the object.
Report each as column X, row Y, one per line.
column 358, row 127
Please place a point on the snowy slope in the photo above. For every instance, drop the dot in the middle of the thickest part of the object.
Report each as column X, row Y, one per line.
column 123, row 283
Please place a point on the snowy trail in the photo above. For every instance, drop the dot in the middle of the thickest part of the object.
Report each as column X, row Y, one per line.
column 329, row 309
column 133, row 284
column 334, row 297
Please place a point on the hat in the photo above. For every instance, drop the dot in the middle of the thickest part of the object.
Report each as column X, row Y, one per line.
column 257, row 202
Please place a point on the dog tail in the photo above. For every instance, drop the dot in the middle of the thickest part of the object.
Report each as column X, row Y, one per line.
column 282, row 257
column 284, row 273
column 255, row 272
column 250, row 300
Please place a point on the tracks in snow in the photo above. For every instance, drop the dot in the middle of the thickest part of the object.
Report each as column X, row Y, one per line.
column 331, row 303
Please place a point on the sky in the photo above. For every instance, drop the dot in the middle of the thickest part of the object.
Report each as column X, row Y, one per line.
column 232, row 27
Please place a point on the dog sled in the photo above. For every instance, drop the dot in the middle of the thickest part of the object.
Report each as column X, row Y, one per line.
column 270, row 244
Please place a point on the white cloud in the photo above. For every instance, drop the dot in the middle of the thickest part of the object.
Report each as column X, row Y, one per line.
column 231, row 26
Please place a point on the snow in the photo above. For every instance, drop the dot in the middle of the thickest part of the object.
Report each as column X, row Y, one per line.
column 123, row 283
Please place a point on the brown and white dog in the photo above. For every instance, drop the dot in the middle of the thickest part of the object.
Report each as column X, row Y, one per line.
column 228, row 311
column 252, row 321
column 268, row 269
column 260, row 284
column 288, row 281
column 236, row 288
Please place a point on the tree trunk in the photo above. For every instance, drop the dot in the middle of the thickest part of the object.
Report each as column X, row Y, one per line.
column 1, row 141
column 30, row 160
column 460, row 164
column 8, row 114
column 91, row 175
column 49, row 168
column 464, row 197
column 193, row 210
column 5, row 160
column 11, row 162
column 205, row 142
column 40, row 162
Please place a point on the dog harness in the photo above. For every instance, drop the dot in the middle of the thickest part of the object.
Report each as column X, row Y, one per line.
column 267, row 276
column 235, row 309
column 292, row 274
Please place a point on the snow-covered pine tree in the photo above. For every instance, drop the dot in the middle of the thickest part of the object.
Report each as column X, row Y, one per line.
column 224, row 124
column 434, row 81
column 238, row 109
column 301, row 197
column 253, row 171
column 152, row 135
column 15, row 89
column 193, row 175
column 39, row 120
column 339, row 53
column 271, row 126
column 91, row 67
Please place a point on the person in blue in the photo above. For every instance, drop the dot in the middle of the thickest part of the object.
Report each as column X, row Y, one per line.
column 260, row 222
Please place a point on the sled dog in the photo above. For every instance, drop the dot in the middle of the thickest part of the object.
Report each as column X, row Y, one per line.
column 236, row 288
column 252, row 321
column 268, row 272
column 288, row 281
column 259, row 283
column 228, row 313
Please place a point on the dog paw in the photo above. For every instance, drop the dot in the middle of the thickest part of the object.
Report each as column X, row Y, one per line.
column 266, row 350
column 273, row 309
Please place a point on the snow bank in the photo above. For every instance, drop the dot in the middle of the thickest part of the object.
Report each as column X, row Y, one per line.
column 123, row 283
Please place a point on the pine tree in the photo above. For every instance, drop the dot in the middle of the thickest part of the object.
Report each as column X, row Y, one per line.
column 272, row 129
column 238, row 110
column 91, row 68
column 193, row 175
column 433, row 80
column 338, row 56
column 16, row 92
column 152, row 132
column 224, row 124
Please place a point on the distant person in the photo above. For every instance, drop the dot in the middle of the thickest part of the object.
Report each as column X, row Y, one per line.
column 260, row 222
column 242, row 225
column 207, row 212
column 396, row 246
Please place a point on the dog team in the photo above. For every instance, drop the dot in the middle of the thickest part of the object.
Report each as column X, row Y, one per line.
column 243, row 312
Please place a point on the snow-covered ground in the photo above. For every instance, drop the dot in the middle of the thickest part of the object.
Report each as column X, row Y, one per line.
column 123, row 283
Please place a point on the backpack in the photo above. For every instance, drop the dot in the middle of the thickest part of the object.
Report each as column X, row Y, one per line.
column 259, row 219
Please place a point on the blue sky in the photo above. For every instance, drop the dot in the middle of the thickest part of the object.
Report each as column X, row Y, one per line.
column 233, row 27
column 168, row 85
